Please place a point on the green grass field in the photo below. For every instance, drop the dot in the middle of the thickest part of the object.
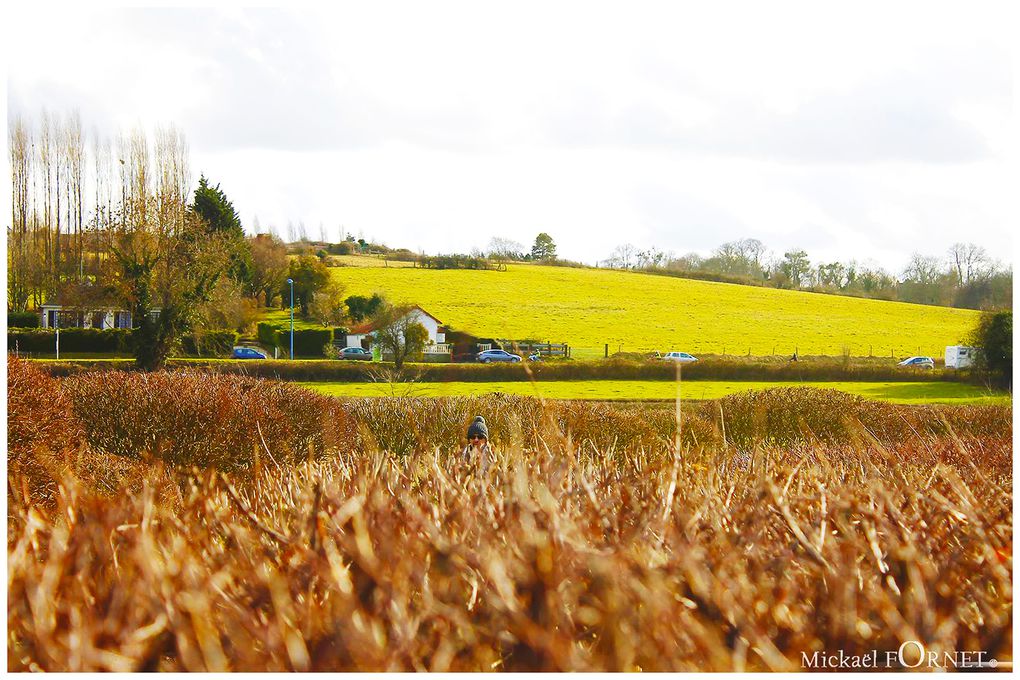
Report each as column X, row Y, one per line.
column 589, row 308
column 634, row 390
column 281, row 318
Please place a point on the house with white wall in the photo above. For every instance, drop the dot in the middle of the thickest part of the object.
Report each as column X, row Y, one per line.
column 361, row 336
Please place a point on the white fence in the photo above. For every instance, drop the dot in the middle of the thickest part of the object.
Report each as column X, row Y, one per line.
column 438, row 348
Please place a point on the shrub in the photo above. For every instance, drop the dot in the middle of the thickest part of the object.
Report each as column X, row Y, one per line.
column 22, row 320
column 342, row 248
column 193, row 418
column 38, row 415
column 994, row 337
column 26, row 341
column 268, row 334
column 454, row 262
column 791, row 415
column 402, row 255
column 308, row 342
column 41, row 432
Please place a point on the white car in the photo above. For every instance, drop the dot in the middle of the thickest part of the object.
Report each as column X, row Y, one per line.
column 682, row 357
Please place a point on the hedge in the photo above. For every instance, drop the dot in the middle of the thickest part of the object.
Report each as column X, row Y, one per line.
column 108, row 341
column 267, row 334
column 308, row 342
column 22, row 320
column 43, row 341
column 361, row 371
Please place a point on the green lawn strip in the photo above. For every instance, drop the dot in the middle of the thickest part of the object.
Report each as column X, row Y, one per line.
column 281, row 319
column 636, row 390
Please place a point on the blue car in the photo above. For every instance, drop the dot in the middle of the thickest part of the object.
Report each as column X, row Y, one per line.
column 247, row 353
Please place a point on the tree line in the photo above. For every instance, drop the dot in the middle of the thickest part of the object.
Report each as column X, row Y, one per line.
column 99, row 223
column 966, row 276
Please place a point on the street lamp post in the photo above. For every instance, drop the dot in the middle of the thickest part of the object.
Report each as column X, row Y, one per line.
column 291, row 282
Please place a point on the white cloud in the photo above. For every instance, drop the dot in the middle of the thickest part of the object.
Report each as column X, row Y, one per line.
column 855, row 132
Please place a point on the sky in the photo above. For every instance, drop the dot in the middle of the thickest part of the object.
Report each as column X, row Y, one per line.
column 867, row 131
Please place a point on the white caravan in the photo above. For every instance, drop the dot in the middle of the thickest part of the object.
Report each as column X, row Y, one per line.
column 958, row 356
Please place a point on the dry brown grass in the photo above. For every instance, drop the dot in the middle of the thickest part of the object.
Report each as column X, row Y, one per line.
column 575, row 553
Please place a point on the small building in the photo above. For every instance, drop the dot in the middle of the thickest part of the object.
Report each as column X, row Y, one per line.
column 58, row 316
column 361, row 335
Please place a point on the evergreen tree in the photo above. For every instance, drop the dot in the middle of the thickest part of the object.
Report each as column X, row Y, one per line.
column 544, row 247
column 220, row 218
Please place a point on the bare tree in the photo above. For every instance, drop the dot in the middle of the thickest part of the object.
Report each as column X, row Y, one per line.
column 102, row 157
column 689, row 263
column 48, row 163
column 622, row 257
column 74, row 158
column 17, row 244
column 969, row 261
column 138, row 181
column 506, row 249
column 270, row 265
column 923, row 269
column 751, row 250
column 173, row 177
column 651, row 258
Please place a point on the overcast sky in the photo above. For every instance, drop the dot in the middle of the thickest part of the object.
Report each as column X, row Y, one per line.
column 869, row 132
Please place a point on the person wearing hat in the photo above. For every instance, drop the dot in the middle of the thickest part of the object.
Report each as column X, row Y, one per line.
column 477, row 451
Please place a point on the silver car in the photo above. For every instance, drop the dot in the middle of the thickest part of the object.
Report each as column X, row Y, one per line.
column 681, row 357
column 491, row 355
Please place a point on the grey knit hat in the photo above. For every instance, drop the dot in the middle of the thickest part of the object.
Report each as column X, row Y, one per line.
column 478, row 427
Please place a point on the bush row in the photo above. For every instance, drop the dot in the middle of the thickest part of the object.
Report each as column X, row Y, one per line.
column 110, row 341
column 308, row 342
column 43, row 341
column 349, row 371
column 454, row 262
column 198, row 418
column 22, row 320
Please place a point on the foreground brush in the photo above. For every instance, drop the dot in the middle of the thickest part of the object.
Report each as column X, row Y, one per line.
column 774, row 546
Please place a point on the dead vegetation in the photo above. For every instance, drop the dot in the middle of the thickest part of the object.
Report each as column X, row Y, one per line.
column 600, row 540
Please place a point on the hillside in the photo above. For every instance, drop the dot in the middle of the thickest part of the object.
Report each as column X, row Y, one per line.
column 632, row 311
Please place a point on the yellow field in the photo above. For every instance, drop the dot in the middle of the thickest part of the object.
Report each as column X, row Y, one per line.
column 588, row 308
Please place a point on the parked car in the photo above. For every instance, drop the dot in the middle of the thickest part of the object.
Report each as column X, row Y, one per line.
column 491, row 355
column 355, row 354
column 241, row 352
column 918, row 362
column 682, row 357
